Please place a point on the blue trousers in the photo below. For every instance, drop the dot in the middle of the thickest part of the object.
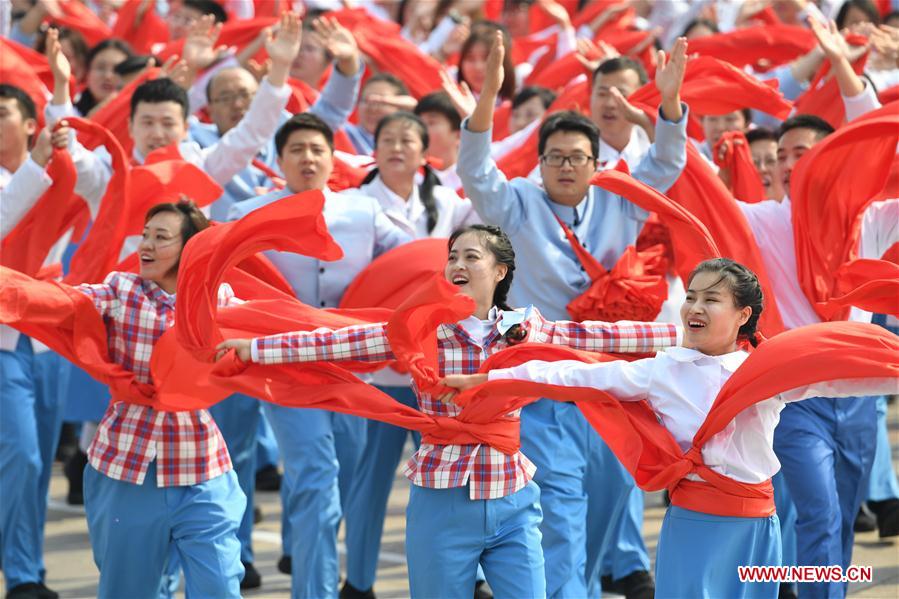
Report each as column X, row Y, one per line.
column 366, row 506
column 133, row 527
column 266, row 444
column 786, row 513
column 86, row 397
column 883, row 483
column 237, row 417
column 585, row 493
column 319, row 448
column 31, row 407
column 826, row 448
column 699, row 553
column 448, row 535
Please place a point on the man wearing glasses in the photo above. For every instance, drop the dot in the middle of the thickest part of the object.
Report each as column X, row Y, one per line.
column 555, row 436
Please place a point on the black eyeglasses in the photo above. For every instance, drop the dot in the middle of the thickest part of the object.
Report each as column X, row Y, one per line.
column 557, row 160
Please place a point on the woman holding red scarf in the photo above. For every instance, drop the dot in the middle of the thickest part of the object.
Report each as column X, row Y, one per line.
column 702, row 543
column 162, row 477
column 494, row 521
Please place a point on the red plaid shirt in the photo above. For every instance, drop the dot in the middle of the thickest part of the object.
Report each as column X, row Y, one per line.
column 491, row 473
column 188, row 446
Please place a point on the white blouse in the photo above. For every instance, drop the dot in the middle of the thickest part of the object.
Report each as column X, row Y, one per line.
column 680, row 385
column 410, row 214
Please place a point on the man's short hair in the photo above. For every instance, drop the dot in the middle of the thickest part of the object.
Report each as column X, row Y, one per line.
column 23, row 101
column 547, row 96
column 569, row 121
column 621, row 63
column 440, row 103
column 157, row 91
column 303, row 121
column 759, row 134
column 806, row 121
column 390, row 78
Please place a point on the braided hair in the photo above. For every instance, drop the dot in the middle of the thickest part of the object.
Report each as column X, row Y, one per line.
column 746, row 289
column 497, row 243
column 430, row 181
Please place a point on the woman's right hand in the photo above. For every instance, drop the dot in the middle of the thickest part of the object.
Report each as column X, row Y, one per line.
column 241, row 347
column 463, row 382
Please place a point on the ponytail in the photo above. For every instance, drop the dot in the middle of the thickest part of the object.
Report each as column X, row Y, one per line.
column 426, row 195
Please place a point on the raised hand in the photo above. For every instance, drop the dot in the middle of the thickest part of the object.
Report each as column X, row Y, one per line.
column 670, row 77
column 59, row 64
column 493, row 80
column 556, row 12
column 459, row 94
column 284, row 44
column 199, row 46
column 177, row 70
column 339, row 41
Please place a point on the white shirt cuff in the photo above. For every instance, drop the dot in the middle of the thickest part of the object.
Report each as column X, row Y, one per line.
column 254, row 350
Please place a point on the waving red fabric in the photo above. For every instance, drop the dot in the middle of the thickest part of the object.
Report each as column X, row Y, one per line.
column 829, row 196
column 772, row 45
column 393, row 53
column 712, row 86
column 141, row 34
column 94, row 257
column 563, row 71
column 701, row 192
column 385, row 283
column 27, row 245
column 745, row 182
column 17, row 70
column 238, row 33
column 82, row 19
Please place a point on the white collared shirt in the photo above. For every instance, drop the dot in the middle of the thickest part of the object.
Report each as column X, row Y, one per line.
column 410, row 214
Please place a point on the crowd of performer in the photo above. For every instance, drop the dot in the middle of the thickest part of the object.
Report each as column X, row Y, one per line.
column 571, row 251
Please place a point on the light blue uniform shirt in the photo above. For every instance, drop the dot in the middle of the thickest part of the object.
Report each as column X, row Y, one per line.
column 356, row 223
column 548, row 273
column 334, row 106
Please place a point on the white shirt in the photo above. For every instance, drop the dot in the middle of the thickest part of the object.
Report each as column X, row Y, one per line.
column 680, row 385
column 410, row 214
column 772, row 226
column 879, row 231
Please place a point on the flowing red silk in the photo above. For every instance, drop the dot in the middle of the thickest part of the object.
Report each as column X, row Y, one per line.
column 94, row 258
column 238, row 34
column 772, row 45
column 27, row 245
column 386, row 282
column 712, row 86
column 745, row 182
column 151, row 29
column 830, row 187
column 18, row 71
column 701, row 192
column 393, row 53
column 77, row 16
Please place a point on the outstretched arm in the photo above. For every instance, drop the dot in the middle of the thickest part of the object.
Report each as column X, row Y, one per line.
column 357, row 343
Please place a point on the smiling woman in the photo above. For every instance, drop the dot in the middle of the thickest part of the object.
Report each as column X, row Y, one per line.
column 167, row 228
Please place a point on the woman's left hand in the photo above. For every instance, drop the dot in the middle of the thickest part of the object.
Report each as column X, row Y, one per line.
column 241, row 346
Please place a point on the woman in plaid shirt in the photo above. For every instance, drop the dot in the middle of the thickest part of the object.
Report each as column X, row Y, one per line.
column 158, row 480
column 495, row 521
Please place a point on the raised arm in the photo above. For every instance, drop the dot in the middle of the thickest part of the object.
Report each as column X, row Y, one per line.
column 667, row 155
column 338, row 98
column 612, row 337
column 490, row 192
column 237, row 148
column 357, row 343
